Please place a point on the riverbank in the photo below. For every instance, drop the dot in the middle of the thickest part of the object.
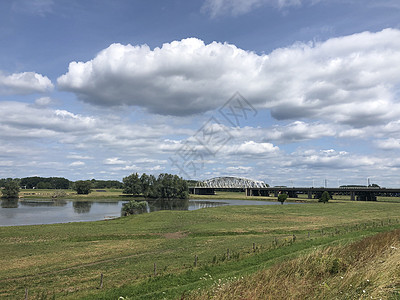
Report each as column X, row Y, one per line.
column 98, row 194
column 168, row 253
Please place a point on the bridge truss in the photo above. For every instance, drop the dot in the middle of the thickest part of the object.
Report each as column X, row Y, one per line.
column 231, row 183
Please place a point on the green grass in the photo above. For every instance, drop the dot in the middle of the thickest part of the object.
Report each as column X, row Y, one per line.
column 67, row 259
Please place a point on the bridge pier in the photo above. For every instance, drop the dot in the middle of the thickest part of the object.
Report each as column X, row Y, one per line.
column 366, row 196
column 352, row 196
column 309, row 195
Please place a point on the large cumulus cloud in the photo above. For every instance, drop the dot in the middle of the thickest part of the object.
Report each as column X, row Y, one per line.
column 182, row 77
column 350, row 80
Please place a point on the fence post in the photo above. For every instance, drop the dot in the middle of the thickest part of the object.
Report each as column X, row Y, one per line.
column 254, row 247
column 26, row 293
column 101, row 281
column 195, row 260
column 155, row 269
column 227, row 254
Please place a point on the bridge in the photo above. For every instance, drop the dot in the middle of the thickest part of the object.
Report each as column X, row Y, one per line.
column 259, row 188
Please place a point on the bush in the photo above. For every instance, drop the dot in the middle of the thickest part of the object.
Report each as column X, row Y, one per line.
column 325, row 197
column 82, row 187
column 282, row 198
column 134, row 208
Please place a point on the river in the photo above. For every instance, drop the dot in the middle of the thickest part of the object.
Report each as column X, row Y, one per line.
column 37, row 212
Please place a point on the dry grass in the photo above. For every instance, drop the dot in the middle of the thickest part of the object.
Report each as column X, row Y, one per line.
column 368, row 269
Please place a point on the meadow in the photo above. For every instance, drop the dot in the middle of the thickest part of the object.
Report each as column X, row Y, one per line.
column 171, row 253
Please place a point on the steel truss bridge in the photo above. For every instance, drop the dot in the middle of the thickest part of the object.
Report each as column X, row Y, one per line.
column 259, row 188
column 230, row 183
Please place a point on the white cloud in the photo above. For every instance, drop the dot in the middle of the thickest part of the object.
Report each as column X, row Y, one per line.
column 44, row 101
column 114, row 161
column 294, row 132
column 329, row 159
column 150, row 161
column 24, row 120
column 388, row 144
column 76, row 156
column 24, row 83
column 77, row 164
column 351, row 80
column 254, row 148
column 183, row 77
column 352, row 133
column 299, row 131
column 127, row 168
column 239, row 170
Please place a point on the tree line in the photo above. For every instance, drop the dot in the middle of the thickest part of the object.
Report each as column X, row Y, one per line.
column 58, row 183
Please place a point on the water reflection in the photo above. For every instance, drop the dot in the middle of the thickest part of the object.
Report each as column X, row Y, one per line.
column 48, row 203
column 205, row 204
column 82, row 207
column 9, row 203
column 163, row 204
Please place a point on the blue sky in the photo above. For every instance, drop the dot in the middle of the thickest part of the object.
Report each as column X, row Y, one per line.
column 291, row 92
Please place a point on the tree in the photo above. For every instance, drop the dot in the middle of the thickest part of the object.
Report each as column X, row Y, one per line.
column 149, row 186
column 282, row 198
column 82, row 187
column 182, row 188
column 132, row 184
column 325, row 197
column 172, row 187
column 11, row 189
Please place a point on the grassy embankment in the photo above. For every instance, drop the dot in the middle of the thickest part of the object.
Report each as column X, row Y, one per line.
column 366, row 269
column 66, row 260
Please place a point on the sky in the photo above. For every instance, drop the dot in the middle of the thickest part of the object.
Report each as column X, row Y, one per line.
column 291, row 92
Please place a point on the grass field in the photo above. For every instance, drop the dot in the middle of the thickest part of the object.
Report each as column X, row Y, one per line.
column 66, row 260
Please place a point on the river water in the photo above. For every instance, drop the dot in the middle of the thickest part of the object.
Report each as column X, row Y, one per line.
column 35, row 212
